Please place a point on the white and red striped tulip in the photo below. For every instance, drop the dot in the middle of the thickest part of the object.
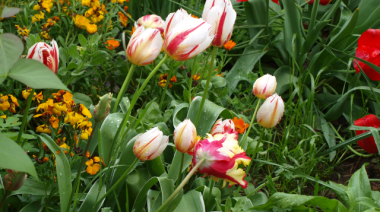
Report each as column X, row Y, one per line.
column 221, row 15
column 222, row 127
column 174, row 18
column 46, row 54
column 185, row 136
column 271, row 111
column 187, row 38
column 144, row 46
column 264, row 86
column 151, row 21
column 150, row 145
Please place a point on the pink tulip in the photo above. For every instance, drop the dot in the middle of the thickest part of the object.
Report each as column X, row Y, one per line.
column 48, row 55
column 151, row 21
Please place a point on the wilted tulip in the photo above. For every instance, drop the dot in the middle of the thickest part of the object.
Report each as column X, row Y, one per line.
column 48, row 55
column 221, row 15
column 144, row 46
column 222, row 155
column 174, row 18
column 185, row 136
column 271, row 111
column 150, row 145
column 187, row 38
column 151, row 21
column 264, row 86
column 368, row 144
column 14, row 180
column 102, row 109
column 221, row 127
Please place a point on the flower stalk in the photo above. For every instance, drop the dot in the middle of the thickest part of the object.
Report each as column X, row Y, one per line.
column 124, row 87
column 250, row 125
column 25, row 117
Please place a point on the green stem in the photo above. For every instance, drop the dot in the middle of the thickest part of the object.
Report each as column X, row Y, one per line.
column 25, row 117
column 180, row 170
column 4, row 198
column 211, row 186
column 250, row 125
column 191, row 77
column 183, row 183
column 166, row 86
column 207, row 85
column 124, row 87
column 76, row 182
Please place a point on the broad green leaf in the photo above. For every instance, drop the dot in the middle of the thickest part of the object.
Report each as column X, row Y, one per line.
column 93, row 196
column 98, row 58
column 369, row 15
column 341, row 192
column 359, row 186
column 32, row 186
column 124, row 104
column 35, row 74
column 192, row 201
column 9, row 11
column 215, row 194
column 179, row 114
column 32, row 207
column 82, row 40
column 156, row 167
column 218, row 82
column 73, row 52
column 176, row 164
column 80, row 98
column 259, row 198
column 11, row 48
column 14, row 157
column 63, row 171
column 292, row 27
column 242, row 204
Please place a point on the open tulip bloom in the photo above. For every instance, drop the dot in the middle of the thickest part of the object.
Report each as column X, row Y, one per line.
column 48, row 55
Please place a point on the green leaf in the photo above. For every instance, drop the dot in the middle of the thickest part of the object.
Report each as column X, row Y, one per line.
column 92, row 197
column 179, row 114
column 215, row 194
column 14, row 157
column 32, row 186
column 73, row 52
column 98, row 58
column 359, row 186
column 155, row 167
column 242, row 204
column 11, row 48
column 369, row 15
column 82, row 99
column 82, row 40
column 124, row 104
column 32, row 207
column 284, row 78
column 218, row 82
column 63, row 171
column 192, row 201
column 9, row 11
column 292, row 27
column 329, row 135
column 35, row 74
column 257, row 14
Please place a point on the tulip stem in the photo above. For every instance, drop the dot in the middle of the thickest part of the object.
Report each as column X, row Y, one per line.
column 207, row 85
column 183, row 183
column 191, row 77
column 124, row 87
column 180, row 169
column 4, row 198
column 166, row 86
column 250, row 125
column 25, row 117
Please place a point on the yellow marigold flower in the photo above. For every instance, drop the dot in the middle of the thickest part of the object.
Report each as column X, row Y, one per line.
column 43, row 129
column 73, row 118
column 240, row 126
column 196, row 77
column 54, row 122
column 38, row 17
column 12, row 108
column 64, row 8
column 4, row 103
column 86, row 133
column 51, row 21
column 81, row 21
column 14, row 100
column 39, row 97
column 97, row 17
column 229, row 45
column 25, row 93
column 65, row 148
column 24, row 32
column 60, row 106
column 90, row 12
column 3, row 116
column 121, row 1
column 95, row 3
column 112, row 44
column 47, row 106
column 123, row 19
column 84, row 123
column 45, row 34
column 47, row 4
column 103, row 8
column 92, row 168
column 86, row 3
column 96, row 159
column 36, row 7
column 85, row 111
column 92, row 28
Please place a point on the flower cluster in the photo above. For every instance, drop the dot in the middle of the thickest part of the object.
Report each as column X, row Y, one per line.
column 164, row 78
column 8, row 102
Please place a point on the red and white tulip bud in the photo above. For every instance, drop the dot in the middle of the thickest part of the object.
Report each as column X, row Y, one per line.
column 174, row 18
column 102, row 109
column 48, row 55
column 185, row 136
column 271, row 111
column 187, row 38
column 151, row 21
column 222, row 127
column 144, row 46
column 221, row 15
column 264, row 86
column 14, row 180
column 150, row 145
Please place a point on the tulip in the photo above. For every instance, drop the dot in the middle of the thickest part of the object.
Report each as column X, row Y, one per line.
column 222, row 155
column 48, row 55
column 369, row 50
column 187, row 38
column 150, row 145
column 151, row 21
column 221, row 127
column 14, row 180
column 368, row 144
column 174, row 18
column 264, row 86
column 144, row 46
column 321, row 2
column 185, row 136
column 271, row 111
column 221, row 15
column 102, row 109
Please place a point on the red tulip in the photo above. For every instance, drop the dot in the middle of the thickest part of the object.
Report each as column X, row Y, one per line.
column 321, row 2
column 369, row 50
column 368, row 144
column 48, row 55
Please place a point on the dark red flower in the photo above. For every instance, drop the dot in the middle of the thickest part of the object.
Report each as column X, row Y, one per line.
column 321, row 2
column 368, row 144
column 369, row 50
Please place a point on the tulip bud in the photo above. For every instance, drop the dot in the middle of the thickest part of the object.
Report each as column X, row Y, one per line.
column 221, row 15
column 144, row 46
column 14, row 180
column 189, row 37
column 48, row 55
column 264, row 86
column 185, row 136
column 151, row 21
column 102, row 109
column 271, row 111
column 221, row 127
column 150, row 145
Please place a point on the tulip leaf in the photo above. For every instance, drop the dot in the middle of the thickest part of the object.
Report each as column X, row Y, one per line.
column 11, row 48
column 369, row 15
column 32, row 186
column 63, row 171
column 33, row 206
column 9, row 11
column 329, row 135
column 191, row 201
column 14, row 157
column 35, row 74
column 95, row 193
column 82, row 99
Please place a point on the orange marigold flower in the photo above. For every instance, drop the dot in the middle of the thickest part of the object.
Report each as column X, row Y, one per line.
column 125, row 8
column 112, row 44
column 92, row 28
column 196, row 77
column 87, row 154
column 240, row 126
column 173, row 79
column 92, row 168
column 229, row 45
column 123, row 19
